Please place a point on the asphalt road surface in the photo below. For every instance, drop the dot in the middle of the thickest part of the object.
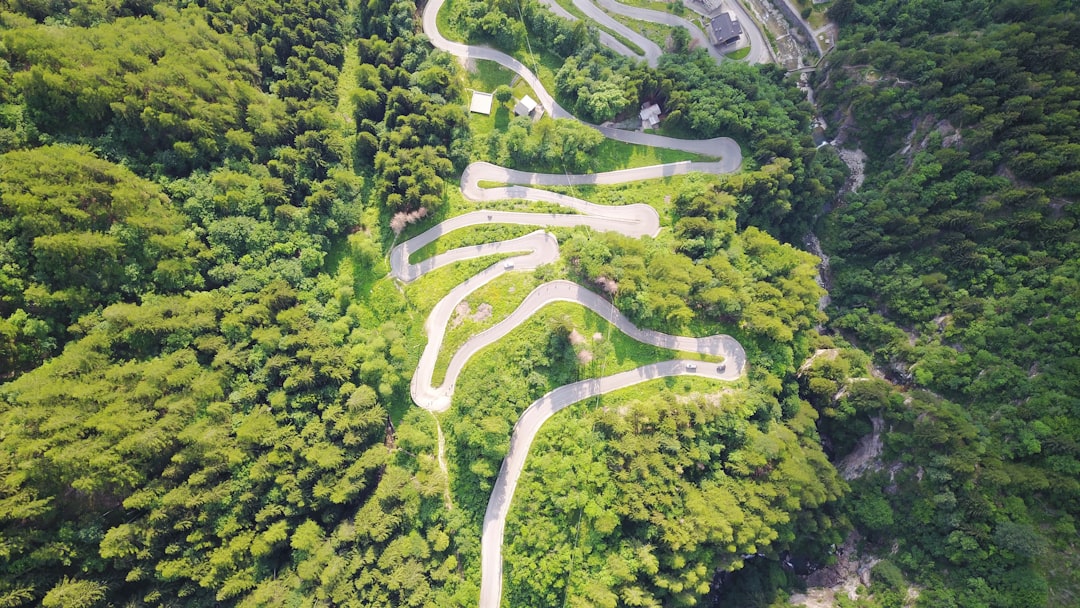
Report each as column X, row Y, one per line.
column 606, row 39
column 645, row 14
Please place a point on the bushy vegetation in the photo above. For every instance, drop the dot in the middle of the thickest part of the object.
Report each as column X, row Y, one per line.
column 79, row 232
column 405, row 126
column 552, row 145
column 639, row 501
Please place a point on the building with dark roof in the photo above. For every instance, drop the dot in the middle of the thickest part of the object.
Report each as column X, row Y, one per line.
column 724, row 29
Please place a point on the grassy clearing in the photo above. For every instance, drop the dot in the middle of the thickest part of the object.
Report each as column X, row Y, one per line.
column 677, row 131
column 496, row 122
column 614, row 155
column 543, row 63
column 487, row 75
column 346, row 84
column 471, row 235
column 623, row 39
column 739, row 54
column 446, row 26
column 424, row 293
column 657, row 32
column 655, row 192
column 681, row 386
column 610, row 353
column 504, row 295
column 575, row 11
column 370, row 299
column 611, row 155
column 675, row 8
column 817, row 18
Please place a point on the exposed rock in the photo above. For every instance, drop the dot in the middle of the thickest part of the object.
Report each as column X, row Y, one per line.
column 461, row 311
column 843, row 578
column 867, row 453
column 856, row 162
column 482, row 313
column 826, row 353
column 824, row 272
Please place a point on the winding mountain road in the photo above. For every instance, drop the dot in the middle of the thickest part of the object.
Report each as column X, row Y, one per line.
column 606, row 39
column 652, row 50
column 724, row 148
column 533, row 250
column 759, row 50
column 652, row 16
column 491, row 562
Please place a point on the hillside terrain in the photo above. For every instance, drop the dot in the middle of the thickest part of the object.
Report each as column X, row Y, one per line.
column 283, row 323
column 955, row 266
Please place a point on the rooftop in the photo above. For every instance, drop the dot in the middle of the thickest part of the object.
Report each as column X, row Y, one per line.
column 525, row 106
column 725, row 28
column 650, row 114
column 481, row 102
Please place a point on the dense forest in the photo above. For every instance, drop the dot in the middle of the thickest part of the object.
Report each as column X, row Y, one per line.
column 207, row 371
column 209, row 425
column 955, row 266
column 205, row 367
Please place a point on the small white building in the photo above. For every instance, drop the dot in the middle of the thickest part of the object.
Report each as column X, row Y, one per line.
column 650, row 115
column 481, row 103
column 525, row 106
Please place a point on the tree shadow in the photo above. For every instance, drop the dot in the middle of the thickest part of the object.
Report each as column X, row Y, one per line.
column 502, row 117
